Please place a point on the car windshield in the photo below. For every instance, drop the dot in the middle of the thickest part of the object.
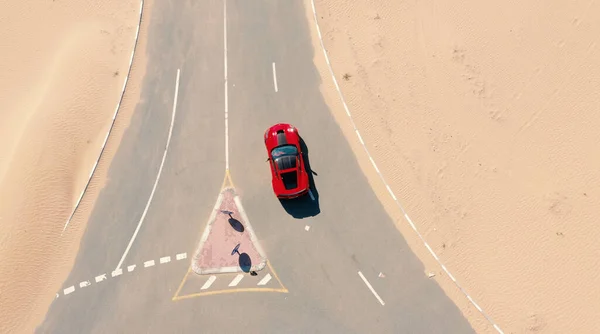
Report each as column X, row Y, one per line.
column 284, row 150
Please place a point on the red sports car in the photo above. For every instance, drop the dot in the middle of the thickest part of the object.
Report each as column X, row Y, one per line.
column 289, row 177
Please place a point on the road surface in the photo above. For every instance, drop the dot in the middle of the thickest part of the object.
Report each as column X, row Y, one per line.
column 323, row 273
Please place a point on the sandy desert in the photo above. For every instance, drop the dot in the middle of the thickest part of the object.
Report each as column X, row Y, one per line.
column 483, row 118
column 63, row 69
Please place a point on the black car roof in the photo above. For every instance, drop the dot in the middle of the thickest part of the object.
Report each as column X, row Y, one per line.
column 286, row 162
column 290, row 180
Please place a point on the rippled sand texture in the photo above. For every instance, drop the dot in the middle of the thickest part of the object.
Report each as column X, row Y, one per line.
column 484, row 117
column 63, row 68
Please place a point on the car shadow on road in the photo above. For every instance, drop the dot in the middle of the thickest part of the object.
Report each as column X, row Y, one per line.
column 307, row 205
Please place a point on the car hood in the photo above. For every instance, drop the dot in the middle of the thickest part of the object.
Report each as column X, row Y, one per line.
column 271, row 139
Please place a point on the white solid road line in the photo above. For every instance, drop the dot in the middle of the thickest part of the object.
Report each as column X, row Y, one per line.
column 236, row 280
column 110, row 129
column 165, row 259
column 275, row 77
column 208, row 283
column 371, row 288
column 226, row 84
column 137, row 229
column 265, row 280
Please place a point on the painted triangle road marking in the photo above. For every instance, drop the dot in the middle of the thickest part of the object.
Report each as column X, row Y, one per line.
column 228, row 243
column 228, row 247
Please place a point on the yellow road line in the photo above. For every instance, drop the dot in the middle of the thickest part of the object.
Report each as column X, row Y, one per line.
column 220, row 292
column 189, row 270
column 177, row 297
column 275, row 274
column 227, row 181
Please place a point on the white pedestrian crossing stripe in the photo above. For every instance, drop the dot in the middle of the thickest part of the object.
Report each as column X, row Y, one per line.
column 265, row 280
column 236, row 280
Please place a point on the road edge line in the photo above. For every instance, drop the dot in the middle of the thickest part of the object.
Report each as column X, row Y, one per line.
column 343, row 100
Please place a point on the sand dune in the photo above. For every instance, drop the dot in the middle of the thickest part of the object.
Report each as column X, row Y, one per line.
column 63, row 68
column 483, row 116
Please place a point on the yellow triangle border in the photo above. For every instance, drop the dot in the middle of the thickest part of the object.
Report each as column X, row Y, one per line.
column 177, row 297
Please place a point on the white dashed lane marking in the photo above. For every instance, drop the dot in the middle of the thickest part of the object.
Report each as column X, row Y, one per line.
column 213, row 282
column 275, row 78
column 371, row 288
column 69, row 290
column 119, row 272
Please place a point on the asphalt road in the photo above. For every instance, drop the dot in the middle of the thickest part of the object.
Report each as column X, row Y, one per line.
column 349, row 229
